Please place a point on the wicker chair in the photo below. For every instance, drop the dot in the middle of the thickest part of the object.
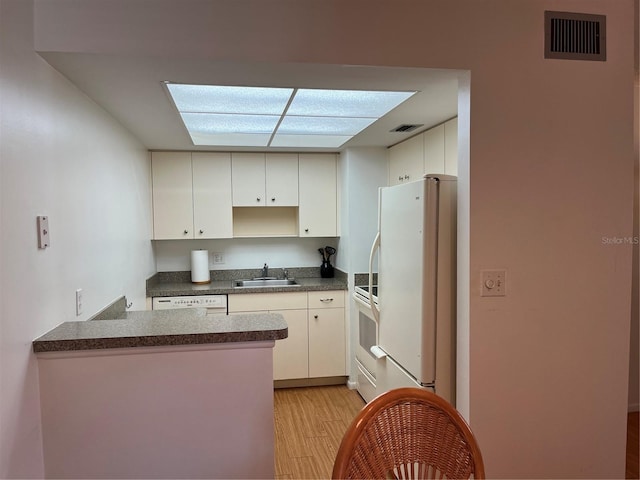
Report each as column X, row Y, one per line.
column 408, row 433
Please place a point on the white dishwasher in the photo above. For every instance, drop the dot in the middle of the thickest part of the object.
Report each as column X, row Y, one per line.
column 215, row 304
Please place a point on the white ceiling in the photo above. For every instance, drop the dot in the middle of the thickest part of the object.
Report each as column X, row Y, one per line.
column 130, row 88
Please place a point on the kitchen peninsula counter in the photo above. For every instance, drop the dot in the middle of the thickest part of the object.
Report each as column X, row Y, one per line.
column 159, row 394
column 161, row 328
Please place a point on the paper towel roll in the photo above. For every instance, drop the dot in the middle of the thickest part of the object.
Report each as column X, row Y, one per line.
column 200, row 266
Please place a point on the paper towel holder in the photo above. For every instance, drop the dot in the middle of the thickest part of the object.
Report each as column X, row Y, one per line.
column 200, row 273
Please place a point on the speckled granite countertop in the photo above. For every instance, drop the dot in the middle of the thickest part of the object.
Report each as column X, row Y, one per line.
column 173, row 284
column 162, row 328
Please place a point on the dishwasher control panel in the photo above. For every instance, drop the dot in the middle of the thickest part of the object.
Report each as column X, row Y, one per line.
column 217, row 302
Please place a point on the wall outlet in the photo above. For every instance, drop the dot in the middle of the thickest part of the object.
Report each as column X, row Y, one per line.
column 493, row 283
column 78, row 302
column 218, row 258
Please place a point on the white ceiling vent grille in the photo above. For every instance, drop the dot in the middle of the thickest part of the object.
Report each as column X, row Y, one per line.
column 574, row 36
column 405, row 127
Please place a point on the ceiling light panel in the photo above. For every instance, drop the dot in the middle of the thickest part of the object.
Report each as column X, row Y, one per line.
column 323, row 125
column 230, row 139
column 217, row 115
column 309, row 141
column 216, row 123
column 225, row 99
column 345, row 103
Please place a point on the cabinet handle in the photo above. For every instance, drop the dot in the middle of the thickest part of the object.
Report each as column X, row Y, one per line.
column 273, row 199
column 306, row 230
column 201, row 232
column 406, row 177
column 315, row 316
column 326, row 300
column 186, row 231
column 258, row 199
column 400, row 178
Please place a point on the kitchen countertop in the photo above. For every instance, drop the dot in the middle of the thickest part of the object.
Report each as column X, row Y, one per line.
column 162, row 328
column 174, row 284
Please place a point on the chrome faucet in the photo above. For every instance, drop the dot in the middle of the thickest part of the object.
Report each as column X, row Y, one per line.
column 265, row 270
column 286, row 274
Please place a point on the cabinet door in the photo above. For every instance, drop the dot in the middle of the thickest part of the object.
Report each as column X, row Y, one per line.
column 248, row 179
column 254, row 302
column 406, row 161
column 451, row 147
column 318, row 195
column 291, row 355
column 281, row 179
column 212, row 210
column 326, row 342
column 172, row 195
column 434, row 150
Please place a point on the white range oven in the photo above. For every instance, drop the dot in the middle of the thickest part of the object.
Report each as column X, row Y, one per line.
column 367, row 338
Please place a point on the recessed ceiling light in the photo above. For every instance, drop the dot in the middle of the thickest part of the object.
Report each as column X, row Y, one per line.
column 218, row 115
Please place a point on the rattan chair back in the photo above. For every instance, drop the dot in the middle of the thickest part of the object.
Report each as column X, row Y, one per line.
column 408, row 433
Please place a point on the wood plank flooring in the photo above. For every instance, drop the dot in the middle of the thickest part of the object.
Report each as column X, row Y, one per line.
column 633, row 446
column 310, row 423
column 309, row 426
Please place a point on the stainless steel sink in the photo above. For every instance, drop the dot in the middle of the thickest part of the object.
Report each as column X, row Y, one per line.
column 265, row 282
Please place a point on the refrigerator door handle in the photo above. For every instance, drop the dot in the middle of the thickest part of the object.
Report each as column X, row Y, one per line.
column 374, row 307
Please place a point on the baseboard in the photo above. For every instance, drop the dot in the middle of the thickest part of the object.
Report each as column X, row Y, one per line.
column 309, row 382
column 352, row 385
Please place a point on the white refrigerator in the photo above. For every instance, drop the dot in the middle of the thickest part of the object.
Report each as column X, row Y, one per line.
column 416, row 250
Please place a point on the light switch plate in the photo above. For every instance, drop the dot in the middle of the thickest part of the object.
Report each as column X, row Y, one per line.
column 43, row 231
column 493, row 283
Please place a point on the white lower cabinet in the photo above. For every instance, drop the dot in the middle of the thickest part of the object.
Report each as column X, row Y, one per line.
column 326, row 345
column 291, row 355
column 316, row 345
column 327, row 351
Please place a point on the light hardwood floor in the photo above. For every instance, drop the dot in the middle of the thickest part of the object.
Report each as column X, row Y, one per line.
column 309, row 425
column 633, row 446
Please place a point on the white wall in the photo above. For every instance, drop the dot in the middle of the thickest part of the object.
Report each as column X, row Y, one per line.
column 63, row 157
column 363, row 171
column 550, row 170
column 366, row 170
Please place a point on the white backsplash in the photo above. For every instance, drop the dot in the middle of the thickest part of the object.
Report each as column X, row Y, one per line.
column 238, row 253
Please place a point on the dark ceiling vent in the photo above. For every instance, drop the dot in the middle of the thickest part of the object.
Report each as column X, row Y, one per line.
column 574, row 36
column 406, row 127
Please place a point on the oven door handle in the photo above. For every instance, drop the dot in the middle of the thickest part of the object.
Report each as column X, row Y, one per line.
column 374, row 308
column 361, row 302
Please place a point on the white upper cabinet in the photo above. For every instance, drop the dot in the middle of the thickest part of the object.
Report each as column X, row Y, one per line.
column 172, row 195
column 451, row 147
column 434, row 150
column 212, row 211
column 281, row 183
column 406, row 161
column 204, row 195
column 248, row 179
column 265, row 180
column 318, row 195
column 191, row 195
